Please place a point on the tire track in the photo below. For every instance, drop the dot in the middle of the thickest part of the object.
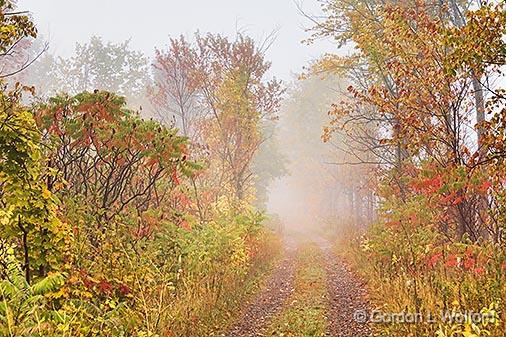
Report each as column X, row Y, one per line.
column 259, row 313
column 346, row 297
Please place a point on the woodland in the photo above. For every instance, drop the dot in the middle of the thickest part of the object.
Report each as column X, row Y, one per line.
column 135, row 191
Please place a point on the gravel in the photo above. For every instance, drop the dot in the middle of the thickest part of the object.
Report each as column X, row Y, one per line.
column 347, row 300
column 346, row 297
column 258, row 314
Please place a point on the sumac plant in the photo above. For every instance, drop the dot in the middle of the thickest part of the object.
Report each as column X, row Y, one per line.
column 107, row 156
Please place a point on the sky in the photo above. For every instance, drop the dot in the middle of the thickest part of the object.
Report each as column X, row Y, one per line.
column 149, row 23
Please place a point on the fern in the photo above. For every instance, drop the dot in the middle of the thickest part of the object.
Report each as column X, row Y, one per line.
column 21, row 304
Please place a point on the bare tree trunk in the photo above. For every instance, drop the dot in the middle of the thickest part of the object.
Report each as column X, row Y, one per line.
column 358, row 209
column 480, row 113
column 352, row 208
column 370, row 207
column 458, row 19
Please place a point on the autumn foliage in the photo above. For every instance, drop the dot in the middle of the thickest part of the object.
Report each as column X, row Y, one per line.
column 219, row 94
column 121, row 220
column 421, row 104
column 112, row 223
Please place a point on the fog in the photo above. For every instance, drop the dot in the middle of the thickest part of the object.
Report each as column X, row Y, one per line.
column 299, row 181
column 306, row 198
column 149, row 24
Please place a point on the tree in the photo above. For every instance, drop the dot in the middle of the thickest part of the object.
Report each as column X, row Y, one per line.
column 94, row 66
column 418, row 102
column 175, row 92
column 29, row 215
column 15, row 33
column 108, row 156
column 218, row 90
column 269, row 163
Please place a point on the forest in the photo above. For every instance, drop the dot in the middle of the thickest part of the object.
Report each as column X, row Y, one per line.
column 194, row 193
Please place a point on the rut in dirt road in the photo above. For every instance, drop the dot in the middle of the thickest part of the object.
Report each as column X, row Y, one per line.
column 346, row 295
column 347, row 298
column 259, row 313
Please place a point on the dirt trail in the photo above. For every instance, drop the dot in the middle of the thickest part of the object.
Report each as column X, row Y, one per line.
column 346, row 296
column 258, row 314
column 347, row 300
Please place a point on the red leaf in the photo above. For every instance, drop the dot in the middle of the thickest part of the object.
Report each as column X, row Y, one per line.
column 451, row 261
column 175, row 177
column 434, row 259
column 483, row 188
column 469, row 263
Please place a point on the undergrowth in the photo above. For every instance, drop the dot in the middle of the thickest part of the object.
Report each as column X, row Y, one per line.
column 445, row 284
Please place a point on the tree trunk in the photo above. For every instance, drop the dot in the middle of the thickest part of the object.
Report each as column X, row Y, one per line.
column 480, row 113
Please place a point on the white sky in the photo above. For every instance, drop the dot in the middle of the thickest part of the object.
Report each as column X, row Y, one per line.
column 148, row 24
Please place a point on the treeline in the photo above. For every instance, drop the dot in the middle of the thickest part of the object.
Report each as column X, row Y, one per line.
column 114, row 224
column 424, row 119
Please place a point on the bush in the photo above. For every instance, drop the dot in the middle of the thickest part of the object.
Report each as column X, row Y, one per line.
column 420, row 272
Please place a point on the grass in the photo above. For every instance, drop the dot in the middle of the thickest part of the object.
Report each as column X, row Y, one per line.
column 305, row 311
column 209, row 310
column 440, row 290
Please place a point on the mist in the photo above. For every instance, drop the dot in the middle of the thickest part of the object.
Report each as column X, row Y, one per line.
column 307, row 196
column 64, row 23
column 252, row 168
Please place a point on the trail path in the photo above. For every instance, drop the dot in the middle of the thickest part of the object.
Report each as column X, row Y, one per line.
column 346, row 295
column 258, row 314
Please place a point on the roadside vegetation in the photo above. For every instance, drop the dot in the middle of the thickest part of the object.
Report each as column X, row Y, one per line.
column 133, row 190
column 424, row 122
column 115, row 224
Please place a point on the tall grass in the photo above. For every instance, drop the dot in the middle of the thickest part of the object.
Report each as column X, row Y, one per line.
column 444, row 282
